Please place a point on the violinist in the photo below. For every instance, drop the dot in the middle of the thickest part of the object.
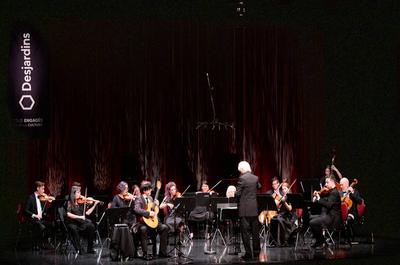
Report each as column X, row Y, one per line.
column 171, row 218
column 350, row 193
column 77, row 221
column 282, row 224
column 35, row 211
column 330, row 217
column 125, row 199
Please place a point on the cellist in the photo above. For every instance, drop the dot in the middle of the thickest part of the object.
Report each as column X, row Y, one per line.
column 352, row 197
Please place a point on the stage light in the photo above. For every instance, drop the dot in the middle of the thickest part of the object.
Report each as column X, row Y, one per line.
column 240, row 8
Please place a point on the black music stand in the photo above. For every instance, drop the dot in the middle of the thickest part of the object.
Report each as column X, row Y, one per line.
column 308, row 186
column 58, row 203
column 267, row 203
column 180, row 203
column 110, row 215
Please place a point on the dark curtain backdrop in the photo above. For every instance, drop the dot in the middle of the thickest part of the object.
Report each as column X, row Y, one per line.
column 126, row 100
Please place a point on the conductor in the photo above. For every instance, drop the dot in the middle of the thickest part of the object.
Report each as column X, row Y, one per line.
column 247, row 205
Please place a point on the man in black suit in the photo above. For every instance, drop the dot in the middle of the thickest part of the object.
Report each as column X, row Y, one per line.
column 349, row 193
column 144, row 230
column 35, row 210
column 248, row 211
column 330, row 216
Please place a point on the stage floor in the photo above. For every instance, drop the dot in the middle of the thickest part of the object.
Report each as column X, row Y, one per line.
column 385, row 250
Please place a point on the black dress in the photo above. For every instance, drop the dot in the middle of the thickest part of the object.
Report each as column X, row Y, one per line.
column 282, row 225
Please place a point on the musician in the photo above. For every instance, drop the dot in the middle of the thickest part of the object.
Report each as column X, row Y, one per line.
column 330, row 216
column 283, row 223
column 173, row 220
column 136, row 190
column 275, row 188
column 248, row 211
column 144, row 230
column 201, row 212
column 329, row 170
column 77, row 221
column 35, row 211
column 354, row 196
column 125, row 199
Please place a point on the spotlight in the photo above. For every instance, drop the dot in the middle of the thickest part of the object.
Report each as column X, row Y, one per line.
column 240, row 8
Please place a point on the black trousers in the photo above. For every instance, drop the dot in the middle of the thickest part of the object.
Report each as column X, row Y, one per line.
column 41, row 230
column 86, row 227
column 249, row 225
column 145, row 231
column 318, row 222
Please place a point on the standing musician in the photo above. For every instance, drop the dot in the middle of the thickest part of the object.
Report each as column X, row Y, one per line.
column 77, row 221
column 330, row 217
column 143, row 229
column 172, row 221
column 282, row 224
column 125, row 199
column 247, row 206
column 329, row 169
column 35, row 211
column 352, row 198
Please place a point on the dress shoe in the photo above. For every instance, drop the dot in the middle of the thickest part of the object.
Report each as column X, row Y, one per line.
column 91, row 251
column 147, row 257
column 317, row 244
column 163, row 255
column 246, row 257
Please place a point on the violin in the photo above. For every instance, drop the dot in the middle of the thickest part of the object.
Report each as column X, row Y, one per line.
column 46, row 198
column 127, row 196
column 88, row 200
column 324, row 191
column 177, row 195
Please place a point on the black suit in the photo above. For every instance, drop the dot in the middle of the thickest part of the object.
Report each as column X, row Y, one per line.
column 40, row 228
column 248, row 212
column 330, row 217
column 352, row 217
column 144, row 230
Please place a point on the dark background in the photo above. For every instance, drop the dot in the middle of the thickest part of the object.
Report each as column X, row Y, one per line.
column 127, row 86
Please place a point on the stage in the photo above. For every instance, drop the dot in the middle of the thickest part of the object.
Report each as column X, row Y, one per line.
column 382, row 251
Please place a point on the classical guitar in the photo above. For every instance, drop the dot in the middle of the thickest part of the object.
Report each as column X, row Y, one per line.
column 151, row 206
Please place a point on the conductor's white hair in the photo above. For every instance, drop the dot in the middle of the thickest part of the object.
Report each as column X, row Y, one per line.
column 244, row 167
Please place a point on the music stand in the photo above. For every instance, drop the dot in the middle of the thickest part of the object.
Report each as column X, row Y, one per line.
column 297, row 202
column 308, row 186
column 180, row 203
column 58, row 203
column 265, row 201
column 111, row 214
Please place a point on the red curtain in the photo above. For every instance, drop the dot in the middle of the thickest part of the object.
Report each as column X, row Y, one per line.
column 127, row 99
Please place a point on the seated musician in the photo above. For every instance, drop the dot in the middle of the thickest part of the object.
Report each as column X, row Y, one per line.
column 201, row 212
column 35, row 211
column 282, row 224
column 329, row 171
column 77, row 210
column 349, row 193
column 143, row 229
column 275, row 188
column 172, row 218
column 330, row 216
column 125, row 199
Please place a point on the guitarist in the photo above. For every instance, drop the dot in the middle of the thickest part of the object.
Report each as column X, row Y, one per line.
column 142, row 212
